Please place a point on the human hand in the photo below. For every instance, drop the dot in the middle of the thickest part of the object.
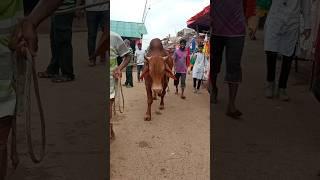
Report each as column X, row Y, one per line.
column 24, row 38
column 117, row 73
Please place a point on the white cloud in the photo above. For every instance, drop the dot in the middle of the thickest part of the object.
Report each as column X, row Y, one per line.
column 164, row 17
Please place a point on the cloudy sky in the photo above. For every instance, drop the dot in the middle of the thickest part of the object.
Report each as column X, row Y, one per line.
column 164, row 17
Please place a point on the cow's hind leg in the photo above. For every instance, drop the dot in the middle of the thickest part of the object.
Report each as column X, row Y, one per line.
column 150, row 100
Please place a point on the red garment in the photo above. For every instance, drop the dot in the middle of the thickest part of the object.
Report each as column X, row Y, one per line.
column 188, row 57
column 249, row 7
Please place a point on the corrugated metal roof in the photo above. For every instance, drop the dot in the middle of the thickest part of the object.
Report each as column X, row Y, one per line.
column 128, row 29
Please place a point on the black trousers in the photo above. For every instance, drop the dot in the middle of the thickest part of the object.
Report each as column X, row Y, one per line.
column 233, row 47
column 129, row 78
column 139, row 69
column 285, row 68
column 61, row 45
column 195, row 83
column 94, row 20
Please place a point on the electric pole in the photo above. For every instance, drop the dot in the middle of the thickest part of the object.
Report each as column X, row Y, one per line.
column 144, row 11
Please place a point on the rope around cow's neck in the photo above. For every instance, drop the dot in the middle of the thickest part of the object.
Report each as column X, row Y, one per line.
column 118, row 96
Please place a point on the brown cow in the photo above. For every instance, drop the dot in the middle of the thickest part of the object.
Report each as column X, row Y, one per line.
column 156, row 75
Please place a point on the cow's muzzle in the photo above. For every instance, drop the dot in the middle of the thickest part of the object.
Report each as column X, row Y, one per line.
column 157, row 91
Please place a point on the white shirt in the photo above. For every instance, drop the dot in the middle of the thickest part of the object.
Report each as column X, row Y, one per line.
column 103, row 7
column 140, row 56
column 282, row 26
column 199, row 66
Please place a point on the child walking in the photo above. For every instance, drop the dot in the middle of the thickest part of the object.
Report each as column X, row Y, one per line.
column 199, row 69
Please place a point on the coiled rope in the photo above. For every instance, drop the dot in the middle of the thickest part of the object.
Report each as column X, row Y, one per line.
column 24, row 93
column 119, row 98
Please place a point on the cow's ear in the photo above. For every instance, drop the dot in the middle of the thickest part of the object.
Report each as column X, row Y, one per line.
column 144, row 73
column 170, row 74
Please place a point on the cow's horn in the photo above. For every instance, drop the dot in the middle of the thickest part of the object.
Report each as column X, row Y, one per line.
column 147, row 58
column 165, row 58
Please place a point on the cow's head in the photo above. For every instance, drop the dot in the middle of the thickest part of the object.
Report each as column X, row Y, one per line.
column 158, row 70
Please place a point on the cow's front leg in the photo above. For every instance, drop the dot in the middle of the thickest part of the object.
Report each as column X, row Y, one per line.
column 162, row 98
column 155, row 96
column 150, row 100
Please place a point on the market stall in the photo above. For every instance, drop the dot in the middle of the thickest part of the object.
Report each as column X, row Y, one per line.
column 201, row 21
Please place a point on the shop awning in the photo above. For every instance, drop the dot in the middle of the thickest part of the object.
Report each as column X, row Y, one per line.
column 128, row 29
column 200, row 21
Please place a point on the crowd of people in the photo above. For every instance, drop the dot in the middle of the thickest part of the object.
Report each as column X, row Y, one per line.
column 185, row 62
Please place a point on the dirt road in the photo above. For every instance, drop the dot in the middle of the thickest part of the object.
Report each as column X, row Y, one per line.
column 174, row 145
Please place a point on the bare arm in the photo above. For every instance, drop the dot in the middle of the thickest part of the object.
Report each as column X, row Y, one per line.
column 43, row 9
column 25, row 36
column 125, row 62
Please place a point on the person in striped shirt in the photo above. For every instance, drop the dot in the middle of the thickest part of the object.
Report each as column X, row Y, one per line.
column 61, row 45
column 24, row 36
column 118, row 48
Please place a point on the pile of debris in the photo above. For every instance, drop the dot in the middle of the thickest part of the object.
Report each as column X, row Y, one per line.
column 171, row 42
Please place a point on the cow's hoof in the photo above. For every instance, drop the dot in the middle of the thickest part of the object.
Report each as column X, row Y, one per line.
column 147, row 118
column 161, row 107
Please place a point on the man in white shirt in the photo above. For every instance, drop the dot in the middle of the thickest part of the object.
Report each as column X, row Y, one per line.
column 139, row 58
column 96, row 16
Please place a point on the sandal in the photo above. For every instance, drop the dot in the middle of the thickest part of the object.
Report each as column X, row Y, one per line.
column 183, row 97
column 45, row 74
column 61, row 79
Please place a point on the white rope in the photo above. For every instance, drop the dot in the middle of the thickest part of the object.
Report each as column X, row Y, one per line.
column 119, row 98
column 29, row 73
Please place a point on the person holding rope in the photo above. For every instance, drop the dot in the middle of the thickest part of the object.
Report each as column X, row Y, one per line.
column 117, row 49
column 24, row 38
